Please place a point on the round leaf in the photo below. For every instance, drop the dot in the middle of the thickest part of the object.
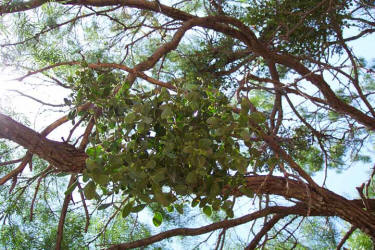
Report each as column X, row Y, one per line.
column 207, row 211
column 157, row 219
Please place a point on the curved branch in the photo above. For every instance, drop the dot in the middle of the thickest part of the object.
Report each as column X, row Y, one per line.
column 62, row 155
column 319, row 199
column 18, row 6
column 10, row 162
column 267, row 227
column 13, row 174
column 87, row 215
column 209, row 228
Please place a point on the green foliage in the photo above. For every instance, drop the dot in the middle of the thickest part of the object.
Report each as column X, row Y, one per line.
column 18, row 232
column 160, row 147
column 360, row 241
column 301, row 27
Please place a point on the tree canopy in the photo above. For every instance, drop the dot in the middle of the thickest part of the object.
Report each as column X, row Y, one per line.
column 179, row 105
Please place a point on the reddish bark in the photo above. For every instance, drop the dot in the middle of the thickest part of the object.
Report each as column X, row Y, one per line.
column 62, row 156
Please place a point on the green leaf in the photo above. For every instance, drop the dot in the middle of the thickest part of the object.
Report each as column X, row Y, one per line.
column 130, row 118
column 127, row 209
column 123, row 89
column 257, row 117
column 160, row 175
column 72, row 114
column 147, row 120
column 188, row 149
column 216, row 205
column 246, row 191
column 164, row 94
column 157, row 219
column 245, row 105
column 245, row 135
column 229, row 213
column 221, row 131
column 167, row 112
column 215, row 189
column 192, row 178
column 195, row 202
column 93, row 152
column 181, row 189
column 205, row 143
column 101, row 179
column 91, row 164
column 71, row 188
column 179, row 208
column 138, row 208
column 207, row 211
column 151, row 164
column 90, row 190
column 213, row 121
column 161, row 198
column 104, row 206
column 170, row 208
column 84, row 64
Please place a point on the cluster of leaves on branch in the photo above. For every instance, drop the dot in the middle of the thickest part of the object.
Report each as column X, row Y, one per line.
column 180, row 104
column 159, row 146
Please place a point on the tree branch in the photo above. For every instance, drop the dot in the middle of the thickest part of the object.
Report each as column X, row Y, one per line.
column 61, row 155
column 64, row 210
column 345, row 238
column 37, row 100
column 208, row 228
column 267, row 227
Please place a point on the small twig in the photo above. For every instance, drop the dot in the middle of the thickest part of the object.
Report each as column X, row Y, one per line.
column 266, row 227
column 15, row 172
column 45, row 172
column 64, row 210
column 87, row 215
column 204, row 229
column 109, row 220
column 37, row 100
column 346, row 237
column 10, row 162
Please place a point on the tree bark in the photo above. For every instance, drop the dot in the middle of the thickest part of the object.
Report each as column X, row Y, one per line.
column 322, row 201
column 62, row 156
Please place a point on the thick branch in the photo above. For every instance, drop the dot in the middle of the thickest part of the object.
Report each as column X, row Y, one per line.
column 320, row 199
column 18, row 6
column 61, row 155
